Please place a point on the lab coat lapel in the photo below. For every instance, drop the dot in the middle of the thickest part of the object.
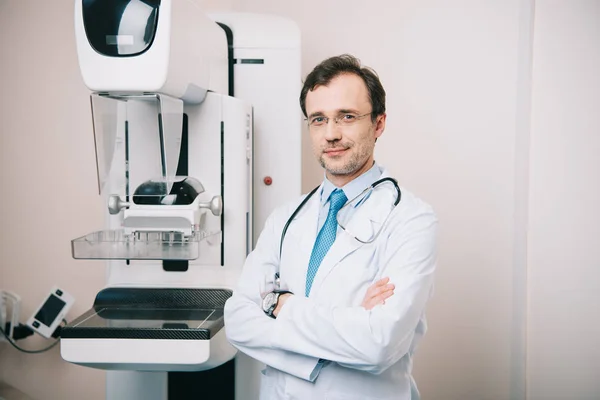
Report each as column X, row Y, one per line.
column 298, row 245
column 343, row 246
column 308, row 230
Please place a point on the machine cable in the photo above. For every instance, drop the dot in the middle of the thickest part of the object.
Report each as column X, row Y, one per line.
column 28, row 332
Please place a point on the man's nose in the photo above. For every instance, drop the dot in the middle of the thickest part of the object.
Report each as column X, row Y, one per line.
column 332, row 131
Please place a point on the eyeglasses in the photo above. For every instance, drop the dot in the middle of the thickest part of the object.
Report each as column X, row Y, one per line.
column 345, row 119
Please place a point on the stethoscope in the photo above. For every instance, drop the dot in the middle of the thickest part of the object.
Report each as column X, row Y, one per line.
column 368, row 189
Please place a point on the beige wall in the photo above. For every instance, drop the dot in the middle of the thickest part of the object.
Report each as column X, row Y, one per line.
column 47, row 178
column 451, row 71
column 564, row 235
column 458, row 81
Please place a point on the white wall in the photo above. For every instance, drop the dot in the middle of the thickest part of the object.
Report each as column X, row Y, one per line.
column 458, row 81
column 564, row 235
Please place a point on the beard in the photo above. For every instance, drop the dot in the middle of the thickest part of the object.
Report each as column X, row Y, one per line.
column 353, row 159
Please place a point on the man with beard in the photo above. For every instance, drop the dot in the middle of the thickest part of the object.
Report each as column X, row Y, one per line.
column 333, row 297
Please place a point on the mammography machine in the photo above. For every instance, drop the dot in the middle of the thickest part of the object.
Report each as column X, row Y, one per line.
column 197, row 132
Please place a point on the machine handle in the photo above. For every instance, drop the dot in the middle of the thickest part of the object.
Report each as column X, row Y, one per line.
column 215, row 205
column 115, row 204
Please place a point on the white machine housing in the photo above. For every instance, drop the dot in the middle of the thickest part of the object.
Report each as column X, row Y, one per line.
column 245, row 149
column 169, row 65
column 267, row 71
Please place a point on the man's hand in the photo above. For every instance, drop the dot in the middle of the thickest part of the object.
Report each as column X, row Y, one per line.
column 377, row 293
column 282, row 299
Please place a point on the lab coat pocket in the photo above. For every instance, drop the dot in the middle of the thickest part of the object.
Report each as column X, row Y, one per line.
column 267, row 386
column 351, row 278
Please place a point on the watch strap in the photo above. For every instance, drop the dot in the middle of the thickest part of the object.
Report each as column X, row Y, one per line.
column 278, row 293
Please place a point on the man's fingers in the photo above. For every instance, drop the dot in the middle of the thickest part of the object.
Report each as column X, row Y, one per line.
column 374, row 288
column 378, row 292
column 382, row 289
column 375, row 296
column 384, row 295
column 382, row 281
column 378, row 299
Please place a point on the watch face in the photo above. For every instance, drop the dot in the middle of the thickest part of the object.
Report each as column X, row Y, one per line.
column 268, row 301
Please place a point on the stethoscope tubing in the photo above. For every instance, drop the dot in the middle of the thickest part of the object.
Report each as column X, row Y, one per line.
column 309, row 195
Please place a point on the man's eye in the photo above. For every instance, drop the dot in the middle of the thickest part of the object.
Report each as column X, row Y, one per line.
column 348, row 117
column 317, row 120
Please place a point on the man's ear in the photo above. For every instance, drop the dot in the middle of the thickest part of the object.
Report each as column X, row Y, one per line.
column 380, row 125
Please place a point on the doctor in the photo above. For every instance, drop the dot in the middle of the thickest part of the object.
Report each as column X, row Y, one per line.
column 332, row 299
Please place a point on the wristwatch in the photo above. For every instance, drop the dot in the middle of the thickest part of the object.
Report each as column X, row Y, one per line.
column 269, row 303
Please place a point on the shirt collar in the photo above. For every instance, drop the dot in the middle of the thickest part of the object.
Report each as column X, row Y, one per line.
column 354, row 187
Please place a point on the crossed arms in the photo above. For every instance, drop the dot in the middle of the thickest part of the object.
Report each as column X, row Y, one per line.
column 370, row 337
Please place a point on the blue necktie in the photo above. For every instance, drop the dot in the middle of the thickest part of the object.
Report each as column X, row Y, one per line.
column 326, row 236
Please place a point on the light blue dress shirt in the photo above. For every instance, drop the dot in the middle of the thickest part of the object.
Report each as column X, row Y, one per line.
column 351, row 190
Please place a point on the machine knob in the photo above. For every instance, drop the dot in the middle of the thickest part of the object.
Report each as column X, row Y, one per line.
column 215, row 205
column 115, row 204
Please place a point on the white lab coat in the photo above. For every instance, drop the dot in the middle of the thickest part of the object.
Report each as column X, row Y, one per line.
column 369, row 353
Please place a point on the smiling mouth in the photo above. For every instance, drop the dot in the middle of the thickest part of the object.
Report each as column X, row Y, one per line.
column 334, row 152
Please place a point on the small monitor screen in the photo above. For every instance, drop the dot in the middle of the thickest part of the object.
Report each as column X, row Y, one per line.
column 50, row 310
